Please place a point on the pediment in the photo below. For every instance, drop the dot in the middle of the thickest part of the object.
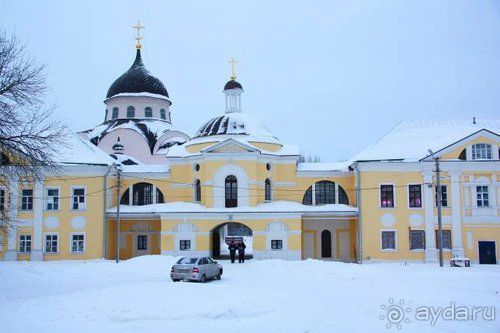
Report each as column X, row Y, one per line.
column 230, row 146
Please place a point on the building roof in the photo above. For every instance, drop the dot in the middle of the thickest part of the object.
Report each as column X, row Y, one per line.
column 411, row 140
column 232, row 84
column 137, row 80
column 81, row 151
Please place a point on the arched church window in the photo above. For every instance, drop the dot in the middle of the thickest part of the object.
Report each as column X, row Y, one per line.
column 163, row 114
column 114, row 115
column 197, row 191
column 267, row 190
column 231, row 191
column 148, row 112
column 343, row 199
column 323, row 192
column 142, row 194
column 307, row 200
column 130, row 112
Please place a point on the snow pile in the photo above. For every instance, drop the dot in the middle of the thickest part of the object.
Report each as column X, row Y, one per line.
column 410, row 140
column 264, row 296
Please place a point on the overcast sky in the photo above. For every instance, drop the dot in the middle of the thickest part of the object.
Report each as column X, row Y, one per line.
column 331, row 76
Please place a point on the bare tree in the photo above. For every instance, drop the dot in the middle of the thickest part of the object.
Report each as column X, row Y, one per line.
column 29, row 137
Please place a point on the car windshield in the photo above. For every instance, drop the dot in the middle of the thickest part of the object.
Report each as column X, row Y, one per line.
column 187, row 261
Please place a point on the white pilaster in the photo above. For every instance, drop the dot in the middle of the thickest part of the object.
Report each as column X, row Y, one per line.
column 37, row 240
column 456, row 219
column 11, row 253
column 430, row 241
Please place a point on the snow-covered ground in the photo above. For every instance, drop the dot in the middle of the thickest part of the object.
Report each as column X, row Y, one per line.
column 258, row 296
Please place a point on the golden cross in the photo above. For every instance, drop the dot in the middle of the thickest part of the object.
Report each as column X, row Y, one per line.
column 138, row 38
column 232, row 62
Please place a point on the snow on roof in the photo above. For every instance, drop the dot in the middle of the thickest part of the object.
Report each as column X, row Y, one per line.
column 140, row 94
column 146, row 168
column 271, row 207
column 322, row 166
column 81, row 151
column 411, row 140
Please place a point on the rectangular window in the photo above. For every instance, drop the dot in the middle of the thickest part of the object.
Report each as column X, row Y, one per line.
column 444, row 196
column 481, row 151
column 142, row 242
column 482, row 196
column 27, row 199
column 78, row 199
column 415, row 196
column 388, row 240
column 446, row 239
column 417, row 239
column 185, row 245
column 52, row 199
column 325, row 193
column 163, row 114
column 387, row 195
column 114, row 115
column 2, row 199
column 51, row 243
column 77, row 243
column 148, row 112
column 276, row 244
column 25, row 243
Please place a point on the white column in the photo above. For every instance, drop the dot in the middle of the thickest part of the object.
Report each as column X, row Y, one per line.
column 430, row 238
column 37, row 240
column 336, row 193
column 456, row 218
column 13, row 190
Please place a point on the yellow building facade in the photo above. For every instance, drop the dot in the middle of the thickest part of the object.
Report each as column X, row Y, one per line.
column 234, row 180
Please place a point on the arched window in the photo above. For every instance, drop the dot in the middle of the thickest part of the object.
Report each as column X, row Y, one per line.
column 114, row 115
column 197, row 191
column 142, row 194
column 148, row 112
column 231, row 191
column 326, row 244
column 163, row 114
column 130, row 112
column 323, row 192
column 267, row 190
column 106, row 115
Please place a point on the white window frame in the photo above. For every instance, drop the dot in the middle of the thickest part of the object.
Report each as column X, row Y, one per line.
column 421, row 195
column 482, row 196
column 475, row 150
column 72, row 196
column 46, row 201
column 395, row 240
column 445, row 249
column 45, row 242
column 185, row 240
column 277, row 239
column 71, row 242
column 32, row 199
column 393, row 195
column 20, row 242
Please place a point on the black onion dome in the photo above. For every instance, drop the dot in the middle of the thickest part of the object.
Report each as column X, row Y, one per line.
column 137, row 80
column 232, row 84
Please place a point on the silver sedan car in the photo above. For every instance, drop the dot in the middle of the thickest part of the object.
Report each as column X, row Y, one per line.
column 196, row 269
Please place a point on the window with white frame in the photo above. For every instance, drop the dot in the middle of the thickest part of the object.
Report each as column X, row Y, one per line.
column 388, row 239
column 77, row 243
column 185, row 245
column 27, row 199
column 78, row 198
column 51, row 245
column 25, row 243
column 482, row 198
column 417, row 239
column 444, row 196
column 415, row 196
column 446, row 239
column 276, row 244
column 2, row 199
column 386, row 196
column 52, row 199
column 481, row 151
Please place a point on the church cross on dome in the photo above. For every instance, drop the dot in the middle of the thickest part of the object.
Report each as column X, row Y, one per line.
column 233, row 62
column 138, row 38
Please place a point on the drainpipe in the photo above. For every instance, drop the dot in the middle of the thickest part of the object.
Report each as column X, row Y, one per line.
column 104, row 208
column 358, row 202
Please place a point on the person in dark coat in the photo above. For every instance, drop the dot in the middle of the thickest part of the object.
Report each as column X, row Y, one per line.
column 232, row 251
column 241, row 252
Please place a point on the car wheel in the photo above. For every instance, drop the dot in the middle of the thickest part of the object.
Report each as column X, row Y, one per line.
column 219, row 276
column 203, row 278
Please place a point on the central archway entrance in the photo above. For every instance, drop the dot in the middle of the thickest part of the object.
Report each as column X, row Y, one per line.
column 224, row 233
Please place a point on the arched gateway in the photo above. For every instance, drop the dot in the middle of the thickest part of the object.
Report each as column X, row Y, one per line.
column 222, row 235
